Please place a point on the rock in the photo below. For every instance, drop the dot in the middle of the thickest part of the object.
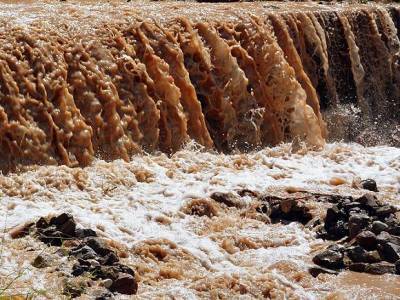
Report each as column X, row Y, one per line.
column 51, row 236
column 229, row 199
column 42, row 223
column 357, row 222
column 98, row 246
column 41, row 261
column 329, row 259
column 389, row 251
column 83, row 252
column 358, row 267
column 370, row 185
column 247, row 192
column 358, row 254
column 107, row 283
column 64, row 223
column 385, row 211
column 124, row 284
column 378, row 227
column 397, row 267
column 104, row 295
column 315, row 271
column 84, row 233
column 78, row 269
column 380, row 268
column 367, row 240
column 21, row 230
column 109, row 259
column 384, row 237
column 369, row 201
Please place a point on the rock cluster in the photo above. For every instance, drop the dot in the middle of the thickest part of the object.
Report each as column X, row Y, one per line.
column 368, row 235
column 285, row 210
column 92, row 255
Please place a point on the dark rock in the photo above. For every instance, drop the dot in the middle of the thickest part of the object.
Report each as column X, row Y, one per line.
column 41, row 261
column 378, row 227
column 124, row 284
column 358, row 254
column 51, row 236
column 384, row 237
column 357, row 223
column 98, row 246
column 229, row 199
column 78, row 269
column 109, row 259
column 123, row 269
column 385, row 211
column 370, row 185
column 367, row 240
column 85, row 232
column 105, row 272
column 389, row 251
column 315, row 271
column 380, row 268
column 329, row 259
column 84, row 252
column 42, row 223
column 358, row 267
column 247, row 192
column 64, row 223
column 397, row 267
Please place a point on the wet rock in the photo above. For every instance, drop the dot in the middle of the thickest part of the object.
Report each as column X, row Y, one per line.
column 51, row 236
column 41, row 261
column 84, row 233
column 329, row 259
column 124, row 284
column 357, row 222
column 369, row 184
column 385, row 237
column 397, row 267
column 64, row 223
column 367, row 240
column 359, row 254
column 84, row 252
column 389, row 251
column 98, row 246
column 229, row 199
column 378, row 227
column 41, row 223
column 109, row 259
column 380, row 268
column 315, row 271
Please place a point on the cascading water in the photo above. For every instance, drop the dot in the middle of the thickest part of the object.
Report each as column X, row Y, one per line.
column 233, row 80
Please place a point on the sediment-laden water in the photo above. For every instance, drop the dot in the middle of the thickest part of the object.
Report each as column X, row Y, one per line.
column 128, row 115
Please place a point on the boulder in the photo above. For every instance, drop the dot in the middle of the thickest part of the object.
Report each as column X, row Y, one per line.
column 124, row 284
column 357, row 222
column 367, row 240
column 378, row 227
column 329, row 259
column 369, row 184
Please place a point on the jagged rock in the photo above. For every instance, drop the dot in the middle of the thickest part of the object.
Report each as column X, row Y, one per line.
column 357, row 222
column 64, row 223
column 389, row 251
column 369, row 184
column 378, row 227
column 329, row 259
column 358, row 254
column 98, row 246
column 84, row 252
column 109, row 259
column 367, row 240
column 229, row 199
column 124, row 284
column 375, row 268
column 51, row 236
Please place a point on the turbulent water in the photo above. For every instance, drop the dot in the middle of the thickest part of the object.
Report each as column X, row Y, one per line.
column 112, row 80
column 128, row 102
